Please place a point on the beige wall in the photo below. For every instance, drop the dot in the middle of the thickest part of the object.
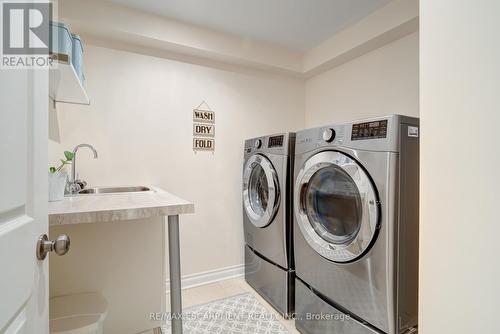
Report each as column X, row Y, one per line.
column 460, row 159
column 140, row 121
column 384, row 81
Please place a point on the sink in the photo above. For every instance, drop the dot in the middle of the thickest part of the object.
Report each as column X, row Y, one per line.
column 113, row 190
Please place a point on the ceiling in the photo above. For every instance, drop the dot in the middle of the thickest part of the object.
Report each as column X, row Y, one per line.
column 294, row 24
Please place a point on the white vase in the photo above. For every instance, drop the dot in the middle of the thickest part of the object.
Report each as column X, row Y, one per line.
column 57, row 185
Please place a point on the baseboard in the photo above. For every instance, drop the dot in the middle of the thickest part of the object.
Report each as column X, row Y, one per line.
column 211, row 276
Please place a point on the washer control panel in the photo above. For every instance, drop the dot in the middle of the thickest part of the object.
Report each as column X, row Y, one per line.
column 275, row 141
column 328, row 135
column 279, row 144
column 369, row 130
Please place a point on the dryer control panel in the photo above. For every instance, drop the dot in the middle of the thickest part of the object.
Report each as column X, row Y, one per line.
column 381, row 134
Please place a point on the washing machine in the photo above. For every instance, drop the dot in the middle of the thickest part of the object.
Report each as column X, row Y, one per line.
column 267, row 218
column 356, row 227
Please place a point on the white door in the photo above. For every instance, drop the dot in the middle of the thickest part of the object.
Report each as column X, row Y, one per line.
column 23, row 200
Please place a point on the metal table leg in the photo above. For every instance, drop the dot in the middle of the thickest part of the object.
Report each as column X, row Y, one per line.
column 175, row 274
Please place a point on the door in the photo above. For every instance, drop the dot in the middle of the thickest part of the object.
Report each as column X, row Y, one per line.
column 23, row 200
column 336, row 206
column 261, row 193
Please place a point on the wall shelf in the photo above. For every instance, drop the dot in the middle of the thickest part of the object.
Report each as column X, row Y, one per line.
column 65, row 86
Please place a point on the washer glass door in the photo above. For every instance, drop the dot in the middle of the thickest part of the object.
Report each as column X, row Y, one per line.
column 260, row 190
column 336, row 206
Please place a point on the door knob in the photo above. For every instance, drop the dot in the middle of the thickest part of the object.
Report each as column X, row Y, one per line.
column 60, row 246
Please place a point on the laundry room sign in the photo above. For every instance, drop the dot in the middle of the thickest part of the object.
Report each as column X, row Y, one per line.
column 203, row 128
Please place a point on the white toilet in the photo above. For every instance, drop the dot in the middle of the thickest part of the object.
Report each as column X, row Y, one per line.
column 82, row 313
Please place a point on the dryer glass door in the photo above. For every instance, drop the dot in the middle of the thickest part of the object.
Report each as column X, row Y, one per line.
column 333, row 205
column 336, row 206
column 260, row 190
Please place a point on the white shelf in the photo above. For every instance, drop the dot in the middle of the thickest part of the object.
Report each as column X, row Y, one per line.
column 65, row 86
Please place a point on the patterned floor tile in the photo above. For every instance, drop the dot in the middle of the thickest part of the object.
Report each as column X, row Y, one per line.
column 241, row 314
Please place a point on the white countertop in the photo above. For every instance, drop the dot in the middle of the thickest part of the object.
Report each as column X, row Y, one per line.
column 94, row 208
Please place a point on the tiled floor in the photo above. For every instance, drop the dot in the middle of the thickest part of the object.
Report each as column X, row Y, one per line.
column 210, row 292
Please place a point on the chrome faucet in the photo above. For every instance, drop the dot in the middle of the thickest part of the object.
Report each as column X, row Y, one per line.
column 75, row 185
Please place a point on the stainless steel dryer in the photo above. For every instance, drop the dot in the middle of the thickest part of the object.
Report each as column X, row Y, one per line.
column 356, row 227
column 267, row 218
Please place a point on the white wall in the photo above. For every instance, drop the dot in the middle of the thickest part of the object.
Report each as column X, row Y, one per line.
column 460, row 158
column 384, row 81
column 140, row 121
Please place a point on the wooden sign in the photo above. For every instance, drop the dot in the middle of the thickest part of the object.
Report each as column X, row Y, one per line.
column 203, row 116
column 204, row 130
column 203, row 144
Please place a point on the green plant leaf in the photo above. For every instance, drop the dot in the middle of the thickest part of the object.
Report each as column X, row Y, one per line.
column 69, row 155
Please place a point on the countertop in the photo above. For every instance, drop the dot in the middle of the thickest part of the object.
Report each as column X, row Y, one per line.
column 95, row 208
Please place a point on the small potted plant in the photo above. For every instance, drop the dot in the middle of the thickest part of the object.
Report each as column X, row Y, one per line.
column 58, row 178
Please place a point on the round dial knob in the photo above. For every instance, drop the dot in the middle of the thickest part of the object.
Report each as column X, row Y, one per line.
column 258, row 143
column 329, row 135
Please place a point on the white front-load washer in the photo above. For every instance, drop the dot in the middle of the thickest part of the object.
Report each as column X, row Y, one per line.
column 267, row 218
column 356, row 227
